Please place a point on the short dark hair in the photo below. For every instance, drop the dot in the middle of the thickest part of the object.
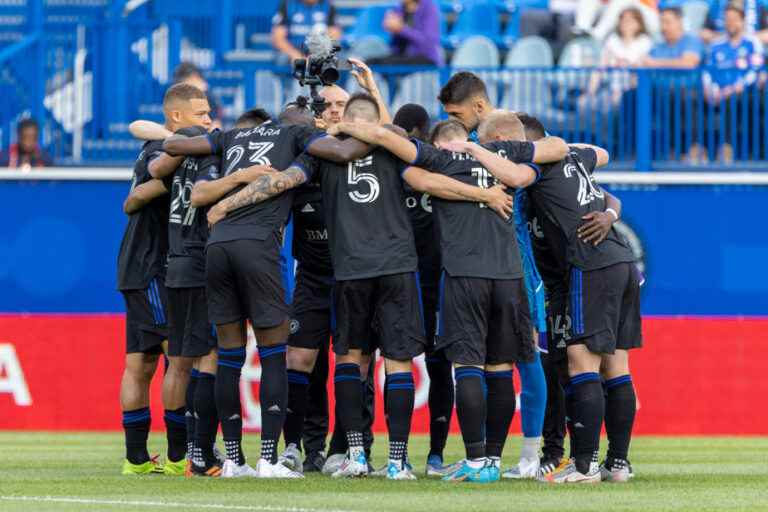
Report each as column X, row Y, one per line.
column 253, row 117
column 186, row 70
column 461, row 87
column 362, row 97
column 534, row 130
column 443, row 128
column 25, row 124
column 296, row 114
column 737, row 7
column 413, row 117
column 183, row 92
column 672, row 9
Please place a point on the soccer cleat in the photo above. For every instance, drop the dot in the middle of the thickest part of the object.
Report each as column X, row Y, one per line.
column 146, row 468
column 219, row 455
column 351, row 468
column 171, row 468
column 435, row 466
column 266, row 470
column 232, row 470
column 214, row 471
column 525, row 469
column 291, row 458
column 493, row 469
column 400, row 471
column 314, row 463
column 466, row 473
column 568, row 474
column 379, row 473
column 333, row 463
column 615, row 470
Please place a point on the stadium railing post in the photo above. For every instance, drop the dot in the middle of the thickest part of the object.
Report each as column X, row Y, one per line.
column 643, row 158
column 224, row 30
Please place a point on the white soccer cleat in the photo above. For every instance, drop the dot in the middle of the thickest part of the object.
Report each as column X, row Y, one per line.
column 618, row 472
column 400, row 472
column 352, row 468
column 333, row 463
column 291, row 458
column 266, row 470
column 568, row 474
column 232, row 470
column 525, row 469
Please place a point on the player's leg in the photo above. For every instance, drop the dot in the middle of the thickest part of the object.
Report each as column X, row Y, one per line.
column 205, row 461
column 352, row 304
column 553, row 432
column 367, row 367
column 145, row 333
column 300, row 363
column 316, row 419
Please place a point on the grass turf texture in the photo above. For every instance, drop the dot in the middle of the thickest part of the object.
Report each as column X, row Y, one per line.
column 81, row 471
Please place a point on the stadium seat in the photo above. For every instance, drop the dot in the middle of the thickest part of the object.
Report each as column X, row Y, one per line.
column 369, row 47
column 475, row 18
column 476, row 52
column 580, row 52
column 422, row 88
column 694, row 15
column 525, row 88
column 369, row 24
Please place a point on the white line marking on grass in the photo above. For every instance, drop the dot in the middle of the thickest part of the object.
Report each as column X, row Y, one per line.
column 171, row 504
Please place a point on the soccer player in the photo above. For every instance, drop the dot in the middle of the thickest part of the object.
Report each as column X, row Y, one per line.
column 465, row 98
column 374, row 261
column 243, row 272
column 414, row 119
column 141, row 278
column 604, row 308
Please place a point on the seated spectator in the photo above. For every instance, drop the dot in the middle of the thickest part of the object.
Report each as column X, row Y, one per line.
column 598, row 18
column 755, row 14
column 554, row 24
column 26, row 153
column 415, row 29
column 188, row 73
column 678, row 50
column 294, row 21
column 625, row 48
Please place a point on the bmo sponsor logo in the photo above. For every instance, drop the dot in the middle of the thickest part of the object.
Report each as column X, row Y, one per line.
column 12, row 381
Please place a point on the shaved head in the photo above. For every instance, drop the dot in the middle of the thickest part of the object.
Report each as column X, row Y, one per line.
column 501, row 125
column 362, row 107
column 335, row 101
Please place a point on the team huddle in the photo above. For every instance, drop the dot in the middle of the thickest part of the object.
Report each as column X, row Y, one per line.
column 480, row 242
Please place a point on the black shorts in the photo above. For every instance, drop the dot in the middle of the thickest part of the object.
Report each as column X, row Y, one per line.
column 485, row 321
column 429, row 301
column 146, row 324
column 604, row 306
column 245, row 280
column 190, row 332
column 311, row 310
column 380, row 312
column 558, row 322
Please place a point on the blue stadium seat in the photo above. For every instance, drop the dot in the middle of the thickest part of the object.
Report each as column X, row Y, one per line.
column 694, row 15
column 527, row 89
column 531, row 51
column 476, row 18
column 476, row 52
column 369, row 24
column 580, row 52
column 369, row 47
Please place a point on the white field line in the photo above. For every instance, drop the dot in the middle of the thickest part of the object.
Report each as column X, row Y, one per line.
column 171, row 504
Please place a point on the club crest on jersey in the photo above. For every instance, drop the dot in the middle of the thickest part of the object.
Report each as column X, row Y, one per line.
column 294, row 326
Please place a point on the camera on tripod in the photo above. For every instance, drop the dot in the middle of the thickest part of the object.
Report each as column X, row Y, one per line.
column 321, row 67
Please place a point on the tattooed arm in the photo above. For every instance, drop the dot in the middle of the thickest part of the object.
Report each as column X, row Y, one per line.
column 268, row 185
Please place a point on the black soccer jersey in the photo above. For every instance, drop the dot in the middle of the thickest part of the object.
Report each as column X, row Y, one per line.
column 564, row 193
column 552, row 269
column 270, row 144
column 144, row 247
column 474, row 240
column 368, row 225
column 419, row 207
column 310, row 235
column 187, row 225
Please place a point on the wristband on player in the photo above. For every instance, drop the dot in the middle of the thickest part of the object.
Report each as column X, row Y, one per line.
column 612, row 212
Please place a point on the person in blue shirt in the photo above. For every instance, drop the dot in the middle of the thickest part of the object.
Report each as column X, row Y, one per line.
column 294, row 21
column 677, row 50
column 754, row 17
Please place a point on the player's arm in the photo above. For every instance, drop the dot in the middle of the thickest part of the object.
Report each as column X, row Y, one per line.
column 602, row 155
column 445, row 187
column 208, row 191
column 149, row 130
column 382, row 136
column 188, row 146
column 339, row 151
column 508, row 172
column 367, row 81
column 549, row 150
column 268, row 184
column 597, row 225
column 164, row 165
column 143, row 194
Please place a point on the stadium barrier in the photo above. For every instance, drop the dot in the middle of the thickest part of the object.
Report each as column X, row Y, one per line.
column 705, row 304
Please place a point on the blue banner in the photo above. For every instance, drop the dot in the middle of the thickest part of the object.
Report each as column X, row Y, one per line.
column 704, row 248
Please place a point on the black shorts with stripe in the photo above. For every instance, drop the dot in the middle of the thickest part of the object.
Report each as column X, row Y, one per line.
column 311, row 319
column 190, row 332
column 146, row 318
column 604, row 308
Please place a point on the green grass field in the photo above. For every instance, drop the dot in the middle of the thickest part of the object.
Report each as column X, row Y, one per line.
column 63, row 472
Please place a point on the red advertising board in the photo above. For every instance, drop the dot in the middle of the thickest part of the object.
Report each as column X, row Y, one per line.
column 694, row 376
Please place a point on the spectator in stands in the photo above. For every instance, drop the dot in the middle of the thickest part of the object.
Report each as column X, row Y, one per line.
column 554, row 24
column 755, row 14
column 732, row 70
column 627, row 47
column 188, row 73
column 599, row 18
column 415, row 29
column 26, row 153
column 293, row 22
column 677, row 50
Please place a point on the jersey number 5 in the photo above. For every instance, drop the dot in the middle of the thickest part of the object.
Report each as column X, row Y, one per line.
column 355, row 178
